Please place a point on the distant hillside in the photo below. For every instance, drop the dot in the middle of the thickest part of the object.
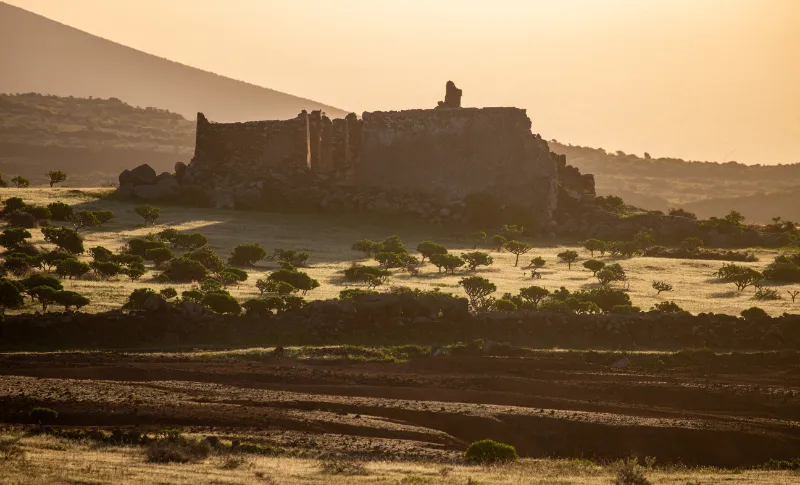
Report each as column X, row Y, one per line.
column 661, row 183
column 93, row 140
column 40, row 55
column 757, row 207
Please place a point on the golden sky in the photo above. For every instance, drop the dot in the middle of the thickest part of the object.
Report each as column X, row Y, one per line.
column 698, row 79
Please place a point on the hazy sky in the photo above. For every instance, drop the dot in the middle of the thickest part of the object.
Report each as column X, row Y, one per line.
column 699, row 79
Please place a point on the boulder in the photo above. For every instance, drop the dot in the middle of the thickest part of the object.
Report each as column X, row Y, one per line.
column 151, row 192
column 145, row 174
column 125, row 191
column 154, row 303
column 192, row 309
column 180, row 170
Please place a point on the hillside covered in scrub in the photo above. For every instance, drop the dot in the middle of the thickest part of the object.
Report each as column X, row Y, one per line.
column 94, row 139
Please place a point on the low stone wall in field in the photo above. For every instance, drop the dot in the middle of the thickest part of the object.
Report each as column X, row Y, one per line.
column 388, row 321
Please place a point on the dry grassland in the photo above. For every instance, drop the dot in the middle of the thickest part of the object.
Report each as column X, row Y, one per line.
column 328, row 238
column 40, row 460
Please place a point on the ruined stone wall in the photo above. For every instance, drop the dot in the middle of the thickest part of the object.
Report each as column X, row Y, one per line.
column 455, row 152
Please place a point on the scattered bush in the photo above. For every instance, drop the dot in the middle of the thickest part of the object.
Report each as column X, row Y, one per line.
column 479, row 237
column 84, row 218
column 99, row 253
column 692, row 243
column 594, row 245
column 222, row 303
column 10, row 294
column 568, row 257
column 12, row 204
column 489, row 452
column 765, row 293
column 64, row 238
column 754, row 313
column 20, row 182
column 594, row 266
column 298, row 280
column 69, row 299
column 231, row 276
column 72, row 268
column 447, row 261
column 498, row 242
column 20, row 218
column 477, row 290
column 177, row 450
column 60, row 211
column 534, row 295
column 52, row 258
column 207, row 257
column 158, row 256
column 741, row 276
column 477, row 258
column 660, row 286
column 629, row 472
column 667, row 307
column 103, row 216
column 611, row 273
column 362, row 273
column 190, row 241
column 517, row 248
column 43, row 415
column 36, row 280
column 185, row 270
column 369, row 248
column 140, row 246
column 148, row 213
column 137, row 298
column 429, row 248
column 14, row 237
column 38, row 212
column 247, row 254
column 343, row 467
column 683, row 213
column 56, row 177
column 106, row 269
column 259, row 307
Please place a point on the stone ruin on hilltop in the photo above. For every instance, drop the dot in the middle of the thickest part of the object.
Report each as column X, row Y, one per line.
column 421, row 162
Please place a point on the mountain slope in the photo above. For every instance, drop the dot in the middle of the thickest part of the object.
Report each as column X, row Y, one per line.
column 44, row 56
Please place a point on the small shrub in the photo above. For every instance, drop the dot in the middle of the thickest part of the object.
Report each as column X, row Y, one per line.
column 207, row 257
column 21, row 218
column 13, row 237
column 72, row 268
column 38, row 212
column 765, row 293
column 64, row 238
column 185, row 270
column 103, row 216
column 158, row 256
column 489, row 452
column 755, row 314
column 667, row 307
column 247, row 254
column 84, row 218
column 168, row 293
column 343, row 467
column 478, row 289
column 12, row 204
column 177, row 451
column 43, row 415
column 629, row 472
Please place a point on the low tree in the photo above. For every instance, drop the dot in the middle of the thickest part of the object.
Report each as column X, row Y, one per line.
column 517, row 248
column 447, row 261
column 478, row 290
column 17, row 264
column 793, row 294
column 168, row 293
column 477, row 258
column 51, row 259
column 20, row 218
column 594, row 245
column 536, row 264
column 72, row 268
column 611, row 273
column 207, row 257
column 429, row 248
column 106, row 269
column 667, row 307
column 64, row 238
column 644, row 239
column 247, row 254
column 755, row 314
column 221, row 303
column 192, row 241
column 69, row 299
column 534, row 295
column 692, row 243
column 184, row 270
column 498, row 242
column 660, row 286
column 159, row 256
column 479, row 237
column 297, row 279
column 148, row 213
column 20, row 182
column 569, row 256
column 99, row 253
column 56, row 177
column 38, row 212
column 272, row 286
column 232, row 276
column 45, row 295
column 60, row 211
column 369, row 248
column 594, row 266
column 390, row 260
column 14, row 237
column 12, row 204
column 741, row 276
column 103, row 216
column 10, row 294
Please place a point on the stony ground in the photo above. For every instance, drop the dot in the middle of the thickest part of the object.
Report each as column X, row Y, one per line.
column 427, row 408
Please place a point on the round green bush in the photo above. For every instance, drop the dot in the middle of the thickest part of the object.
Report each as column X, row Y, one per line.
column 43, row 415
column 489, row 452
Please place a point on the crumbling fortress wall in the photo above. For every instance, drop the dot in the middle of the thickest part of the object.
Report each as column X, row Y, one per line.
column 422, row 162
column 459, row 151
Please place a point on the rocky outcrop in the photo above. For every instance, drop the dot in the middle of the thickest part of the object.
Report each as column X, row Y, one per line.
column 142, row 183
column 452, row 96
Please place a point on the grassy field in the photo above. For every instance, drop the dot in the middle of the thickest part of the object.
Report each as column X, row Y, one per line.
column 328, row 238
column 47, row 460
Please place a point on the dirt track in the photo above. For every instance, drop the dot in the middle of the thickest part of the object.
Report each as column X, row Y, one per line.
column 425, row 408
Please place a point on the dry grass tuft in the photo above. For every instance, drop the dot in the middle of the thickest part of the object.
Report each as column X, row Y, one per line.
column 343, row 467
column 177, row 451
